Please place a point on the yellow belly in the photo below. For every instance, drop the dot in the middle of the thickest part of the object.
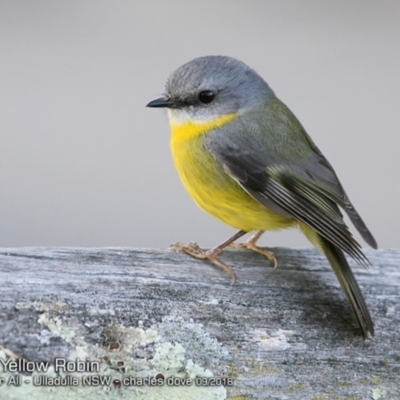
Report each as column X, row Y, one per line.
column 214, row 190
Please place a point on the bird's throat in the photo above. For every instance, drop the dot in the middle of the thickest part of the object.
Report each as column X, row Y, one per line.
column 182, row 130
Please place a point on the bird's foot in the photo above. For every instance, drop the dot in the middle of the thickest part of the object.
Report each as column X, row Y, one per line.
column 250, row 245
column 195, row 251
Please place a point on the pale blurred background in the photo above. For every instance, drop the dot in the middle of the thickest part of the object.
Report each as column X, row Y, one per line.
column 84, row 163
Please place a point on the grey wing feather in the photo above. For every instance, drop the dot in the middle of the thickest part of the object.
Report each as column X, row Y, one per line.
column 321, row 172
column 313, row 209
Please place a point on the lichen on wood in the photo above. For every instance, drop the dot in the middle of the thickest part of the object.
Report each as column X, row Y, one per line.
column 145, row 313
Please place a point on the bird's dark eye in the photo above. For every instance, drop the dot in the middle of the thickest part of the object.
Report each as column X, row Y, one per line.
column 206, row 97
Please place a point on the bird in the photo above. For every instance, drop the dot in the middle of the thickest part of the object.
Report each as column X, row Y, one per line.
column 246, row 159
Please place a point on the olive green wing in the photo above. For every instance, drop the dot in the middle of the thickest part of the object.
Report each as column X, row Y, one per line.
column 307, row 190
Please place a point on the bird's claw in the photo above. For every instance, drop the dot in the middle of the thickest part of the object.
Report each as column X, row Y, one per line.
column 194, row 250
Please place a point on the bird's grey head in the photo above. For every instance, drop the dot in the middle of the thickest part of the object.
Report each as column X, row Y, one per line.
column 209, row 87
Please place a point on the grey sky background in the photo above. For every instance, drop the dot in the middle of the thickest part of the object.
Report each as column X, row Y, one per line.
column 84, row 163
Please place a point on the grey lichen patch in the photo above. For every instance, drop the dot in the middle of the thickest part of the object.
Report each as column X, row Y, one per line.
column 200, row 346
column 52, row 317
column 130, row 363
column 276, row 340
column 378, row 394
column 56, row 326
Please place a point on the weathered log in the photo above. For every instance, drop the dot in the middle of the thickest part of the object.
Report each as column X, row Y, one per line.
column 143, row 313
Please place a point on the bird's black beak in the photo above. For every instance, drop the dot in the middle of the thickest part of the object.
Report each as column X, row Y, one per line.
column 162, row 102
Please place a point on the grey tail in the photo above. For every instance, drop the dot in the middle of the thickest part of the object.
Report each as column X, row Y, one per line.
column 340, row 266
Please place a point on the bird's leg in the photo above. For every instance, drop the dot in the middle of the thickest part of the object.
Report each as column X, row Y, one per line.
column 251, row 245
column 194, row 250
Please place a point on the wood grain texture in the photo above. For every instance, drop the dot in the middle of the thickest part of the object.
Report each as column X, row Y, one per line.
column 283, row 334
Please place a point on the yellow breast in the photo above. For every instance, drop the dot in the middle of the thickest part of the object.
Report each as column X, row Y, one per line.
column 209, row 185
